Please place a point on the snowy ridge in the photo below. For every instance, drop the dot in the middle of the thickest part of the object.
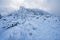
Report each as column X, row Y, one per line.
column 29, row 24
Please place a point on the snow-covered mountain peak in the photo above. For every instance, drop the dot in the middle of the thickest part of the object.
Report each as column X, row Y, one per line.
column 29, row 24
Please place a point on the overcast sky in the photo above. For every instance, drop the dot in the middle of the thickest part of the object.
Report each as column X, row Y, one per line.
column 52, row 6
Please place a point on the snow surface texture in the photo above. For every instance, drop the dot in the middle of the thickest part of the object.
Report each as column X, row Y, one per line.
column 29, row 24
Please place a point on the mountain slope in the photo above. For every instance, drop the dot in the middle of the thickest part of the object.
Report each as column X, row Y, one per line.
column 29, row 24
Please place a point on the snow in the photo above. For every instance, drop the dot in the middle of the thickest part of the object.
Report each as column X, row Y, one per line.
column 29, row 24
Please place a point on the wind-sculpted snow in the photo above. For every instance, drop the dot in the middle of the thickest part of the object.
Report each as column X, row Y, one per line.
column 29, row 24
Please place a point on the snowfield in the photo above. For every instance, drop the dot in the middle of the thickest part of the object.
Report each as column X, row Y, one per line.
column 29, row 24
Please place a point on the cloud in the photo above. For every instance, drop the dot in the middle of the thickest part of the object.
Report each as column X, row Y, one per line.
column 9, row 5
column 51, row 6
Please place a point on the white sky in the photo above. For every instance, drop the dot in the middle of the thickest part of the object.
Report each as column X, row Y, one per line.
column 16, row 3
